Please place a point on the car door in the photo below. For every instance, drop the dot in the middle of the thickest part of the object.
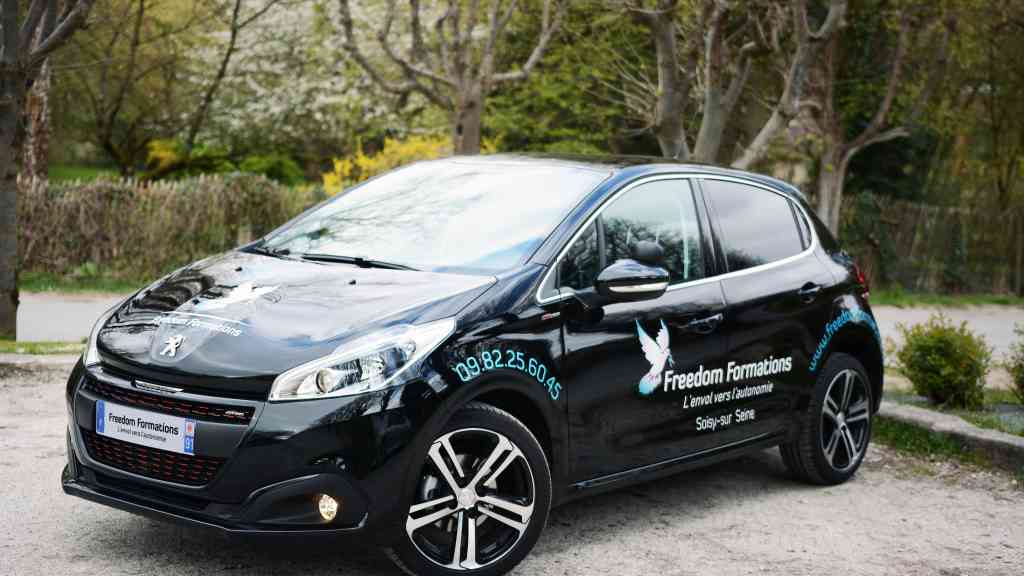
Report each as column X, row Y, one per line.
column 626, row 363
column 776, row 304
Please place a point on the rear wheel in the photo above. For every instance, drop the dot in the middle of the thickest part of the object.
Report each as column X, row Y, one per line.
column 835, row 429
column 481, row 498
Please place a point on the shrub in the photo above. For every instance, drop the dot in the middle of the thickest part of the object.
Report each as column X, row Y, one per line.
column 944, row 362
column 394, row 153
column 1015, row 364
column 277, row 167
column 168, row 160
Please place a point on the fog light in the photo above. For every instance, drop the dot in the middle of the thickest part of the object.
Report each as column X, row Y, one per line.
column 328, row 507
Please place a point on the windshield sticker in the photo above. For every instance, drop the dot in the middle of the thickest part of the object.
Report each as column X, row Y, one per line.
column 856, row 316
column 496, row 359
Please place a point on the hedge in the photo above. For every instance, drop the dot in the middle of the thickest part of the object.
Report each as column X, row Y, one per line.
column 137, row 229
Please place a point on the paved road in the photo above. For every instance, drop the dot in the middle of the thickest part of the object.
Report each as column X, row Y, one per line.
column 995, row 323
column 60, row 317
column 739, row 518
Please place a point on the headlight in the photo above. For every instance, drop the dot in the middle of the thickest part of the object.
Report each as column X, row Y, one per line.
column 92, row 355
column 366, row 364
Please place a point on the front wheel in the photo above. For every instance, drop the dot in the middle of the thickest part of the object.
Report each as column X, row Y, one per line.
column 835, row 428
column 481, row 499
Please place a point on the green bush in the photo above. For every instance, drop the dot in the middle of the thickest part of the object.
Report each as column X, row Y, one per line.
column 1015, row 364
column 945, row 363
column 277, row 167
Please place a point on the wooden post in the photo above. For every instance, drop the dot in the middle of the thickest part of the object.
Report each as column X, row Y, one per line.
column 1019, row 231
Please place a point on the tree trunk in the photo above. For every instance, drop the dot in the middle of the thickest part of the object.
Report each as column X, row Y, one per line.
column 36, row 152
column 831, row 178
column 10, row 112
column 467, row 120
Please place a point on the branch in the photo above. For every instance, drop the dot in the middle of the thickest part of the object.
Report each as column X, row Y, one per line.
column 548, row 29
column 787, row 107
column 30, row 25
column 352, row 47
column 881, row 115
column 74, row 19
column 411, row 70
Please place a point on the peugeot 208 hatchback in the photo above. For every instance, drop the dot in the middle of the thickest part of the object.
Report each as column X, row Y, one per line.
column 435, row 358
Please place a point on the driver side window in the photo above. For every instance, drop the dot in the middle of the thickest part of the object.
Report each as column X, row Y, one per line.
column 662, row 211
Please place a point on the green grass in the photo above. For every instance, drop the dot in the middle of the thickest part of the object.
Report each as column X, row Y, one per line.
column 63, row 172
column 902, row 299
column 44, row 282
column 925, row 443
column 11, row 347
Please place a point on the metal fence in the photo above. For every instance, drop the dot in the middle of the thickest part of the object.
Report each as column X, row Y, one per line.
column 926, row 248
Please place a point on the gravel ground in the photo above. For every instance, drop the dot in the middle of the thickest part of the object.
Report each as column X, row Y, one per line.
column 901, row 515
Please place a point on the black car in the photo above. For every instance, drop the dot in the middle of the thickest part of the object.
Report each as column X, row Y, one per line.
column 435, row 358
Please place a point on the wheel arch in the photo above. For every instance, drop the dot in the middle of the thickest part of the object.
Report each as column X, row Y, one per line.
column 861, row 343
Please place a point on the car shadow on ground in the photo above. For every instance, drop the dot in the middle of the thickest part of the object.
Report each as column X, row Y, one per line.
column 146, row 544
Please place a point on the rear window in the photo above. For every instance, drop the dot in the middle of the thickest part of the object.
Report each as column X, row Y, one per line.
column 758, row 226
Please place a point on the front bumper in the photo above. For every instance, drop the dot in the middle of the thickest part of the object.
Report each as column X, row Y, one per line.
column 274, row 466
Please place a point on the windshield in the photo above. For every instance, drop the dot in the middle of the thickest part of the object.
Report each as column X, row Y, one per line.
column 443, row 216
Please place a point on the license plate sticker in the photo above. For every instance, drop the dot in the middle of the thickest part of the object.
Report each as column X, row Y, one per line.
column 171, row 433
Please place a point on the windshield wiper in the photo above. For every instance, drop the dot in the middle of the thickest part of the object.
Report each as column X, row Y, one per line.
column 357, row 260
column 261, row 248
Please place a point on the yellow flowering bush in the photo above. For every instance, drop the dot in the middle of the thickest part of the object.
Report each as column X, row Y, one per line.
column 395, row 153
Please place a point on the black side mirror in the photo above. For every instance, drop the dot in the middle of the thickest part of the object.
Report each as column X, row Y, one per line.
column 630, row 281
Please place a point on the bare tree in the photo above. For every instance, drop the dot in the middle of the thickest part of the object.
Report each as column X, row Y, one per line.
column 837, row 149
column 119, row 65
column 453, row 68
column 718, row 57
column 26, row 41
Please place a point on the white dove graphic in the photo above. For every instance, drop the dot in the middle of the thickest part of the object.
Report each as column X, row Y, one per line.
column 241, row 293
column 657, row 353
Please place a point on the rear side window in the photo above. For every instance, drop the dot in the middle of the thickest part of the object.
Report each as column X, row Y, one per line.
column 758, row 226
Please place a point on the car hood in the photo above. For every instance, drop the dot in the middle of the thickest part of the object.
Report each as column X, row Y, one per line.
column 249, row 316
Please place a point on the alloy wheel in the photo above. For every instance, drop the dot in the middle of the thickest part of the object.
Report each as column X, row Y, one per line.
column 845, row 420
column 474, row 500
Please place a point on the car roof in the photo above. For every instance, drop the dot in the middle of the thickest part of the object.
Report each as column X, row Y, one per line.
column 626, row 166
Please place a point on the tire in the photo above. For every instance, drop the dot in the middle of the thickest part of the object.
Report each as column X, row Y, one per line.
column 487, row 530
column 835, row 428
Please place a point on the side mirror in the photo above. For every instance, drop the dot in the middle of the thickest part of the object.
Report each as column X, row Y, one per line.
column 630, row 281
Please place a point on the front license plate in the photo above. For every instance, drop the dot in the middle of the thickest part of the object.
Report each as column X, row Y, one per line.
column 171, row 433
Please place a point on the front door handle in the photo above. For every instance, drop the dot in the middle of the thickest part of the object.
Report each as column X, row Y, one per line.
column 705, row 325
column 809, row 292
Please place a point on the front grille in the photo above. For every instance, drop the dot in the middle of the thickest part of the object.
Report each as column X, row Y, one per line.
column 195, row 410
column 152, row 462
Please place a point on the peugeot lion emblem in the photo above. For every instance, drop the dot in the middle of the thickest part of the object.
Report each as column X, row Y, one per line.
column 171, row 346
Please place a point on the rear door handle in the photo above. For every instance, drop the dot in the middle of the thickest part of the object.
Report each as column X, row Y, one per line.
column 809, row 292
column 705, row 325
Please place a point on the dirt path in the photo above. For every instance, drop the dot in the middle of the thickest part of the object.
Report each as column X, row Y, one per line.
column 899, row 516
